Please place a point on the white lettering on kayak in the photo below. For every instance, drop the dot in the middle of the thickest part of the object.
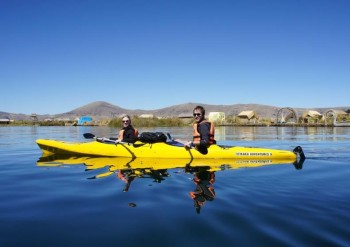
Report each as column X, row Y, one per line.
column 244, row 162
column 253, row 154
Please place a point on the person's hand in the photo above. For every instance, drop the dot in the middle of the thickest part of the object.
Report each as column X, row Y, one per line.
column 188, row 144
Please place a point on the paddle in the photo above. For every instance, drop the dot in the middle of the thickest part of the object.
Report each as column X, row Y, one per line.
column 92, row 136
column 100, row 139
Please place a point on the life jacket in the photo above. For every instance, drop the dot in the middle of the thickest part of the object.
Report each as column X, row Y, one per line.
column 197, row 136
column 121, row 134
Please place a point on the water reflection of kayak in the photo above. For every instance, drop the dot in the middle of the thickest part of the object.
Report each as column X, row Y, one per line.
column 119, row 163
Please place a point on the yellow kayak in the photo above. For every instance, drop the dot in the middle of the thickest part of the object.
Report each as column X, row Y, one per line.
column 163, row 150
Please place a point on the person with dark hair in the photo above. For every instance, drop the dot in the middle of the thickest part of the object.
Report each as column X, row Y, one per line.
column 203, row 131
column 127, row 133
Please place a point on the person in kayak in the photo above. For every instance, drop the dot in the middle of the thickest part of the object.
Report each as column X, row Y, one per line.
column 127, row 133
column 203, row 131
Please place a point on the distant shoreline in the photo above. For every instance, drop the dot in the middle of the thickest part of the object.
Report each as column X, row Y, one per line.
column 344, row 124
column 284, row 125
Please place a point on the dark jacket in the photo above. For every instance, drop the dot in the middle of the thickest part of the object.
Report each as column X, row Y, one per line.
column 129, row 134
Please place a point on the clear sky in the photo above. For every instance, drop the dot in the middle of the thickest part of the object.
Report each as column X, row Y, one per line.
column 58, row 55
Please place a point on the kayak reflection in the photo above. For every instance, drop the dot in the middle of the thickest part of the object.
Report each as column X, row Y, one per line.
column 129, row 175
column 128, row 169
column 148, row 166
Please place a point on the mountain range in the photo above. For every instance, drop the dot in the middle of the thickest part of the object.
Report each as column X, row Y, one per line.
column 103, row 110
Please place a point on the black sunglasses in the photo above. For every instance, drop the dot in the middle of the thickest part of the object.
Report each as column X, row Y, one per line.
column 125, row 121
column 197, row 114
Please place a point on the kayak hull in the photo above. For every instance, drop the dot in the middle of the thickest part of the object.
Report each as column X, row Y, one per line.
column 159, row 150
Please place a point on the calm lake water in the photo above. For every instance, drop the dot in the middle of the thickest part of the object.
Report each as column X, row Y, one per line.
column 270, row 205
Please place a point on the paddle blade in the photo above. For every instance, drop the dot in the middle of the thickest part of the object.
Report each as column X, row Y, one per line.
column 89, row 136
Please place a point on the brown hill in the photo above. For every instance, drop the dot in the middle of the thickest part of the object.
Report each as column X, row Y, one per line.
column 103, row 110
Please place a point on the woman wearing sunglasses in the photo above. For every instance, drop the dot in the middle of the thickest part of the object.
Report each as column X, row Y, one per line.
column 203, row 131
column 127, row 133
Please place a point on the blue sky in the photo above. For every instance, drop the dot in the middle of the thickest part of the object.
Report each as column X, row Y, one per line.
column 56, row 56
